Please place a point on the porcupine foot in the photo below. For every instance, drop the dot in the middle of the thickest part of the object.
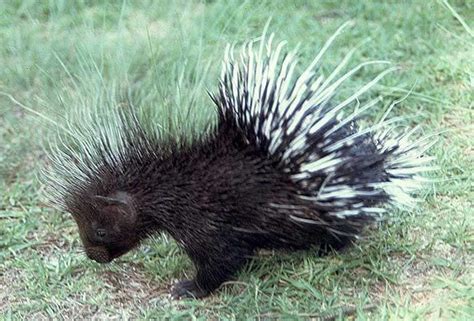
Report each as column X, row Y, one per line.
column 212, row 270
column 187, row 289
column 335, row 244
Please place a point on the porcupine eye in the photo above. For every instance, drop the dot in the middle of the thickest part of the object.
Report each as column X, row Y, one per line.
column 101, row 234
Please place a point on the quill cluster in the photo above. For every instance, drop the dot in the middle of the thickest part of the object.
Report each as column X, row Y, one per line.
column 283, row 168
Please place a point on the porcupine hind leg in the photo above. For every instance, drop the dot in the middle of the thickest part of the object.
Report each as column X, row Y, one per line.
column 212, row 269
column 337, row 240
column 335, row 244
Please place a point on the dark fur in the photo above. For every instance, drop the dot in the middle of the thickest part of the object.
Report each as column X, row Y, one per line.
column 212, row 196
column 281, row 169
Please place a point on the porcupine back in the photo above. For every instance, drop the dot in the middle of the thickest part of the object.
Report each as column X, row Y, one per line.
column 347, row 173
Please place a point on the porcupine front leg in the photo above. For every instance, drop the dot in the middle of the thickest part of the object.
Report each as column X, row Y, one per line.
column 213, row 268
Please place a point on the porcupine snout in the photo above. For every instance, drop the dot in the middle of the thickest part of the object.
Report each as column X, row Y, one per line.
column 99, row 254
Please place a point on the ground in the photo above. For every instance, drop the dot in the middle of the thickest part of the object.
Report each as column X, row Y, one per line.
column 57, row 57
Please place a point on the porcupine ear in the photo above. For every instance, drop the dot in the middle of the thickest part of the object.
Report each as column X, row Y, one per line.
column 117, row 204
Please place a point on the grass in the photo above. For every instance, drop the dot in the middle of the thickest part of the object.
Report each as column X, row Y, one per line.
column 60, row 57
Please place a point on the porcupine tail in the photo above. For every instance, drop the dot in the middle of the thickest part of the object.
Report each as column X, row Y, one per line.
column 348, row 171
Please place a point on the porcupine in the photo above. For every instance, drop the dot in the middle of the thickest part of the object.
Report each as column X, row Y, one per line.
column 282, row 168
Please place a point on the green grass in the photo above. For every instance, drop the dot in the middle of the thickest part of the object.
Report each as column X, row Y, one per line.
column 57, row 57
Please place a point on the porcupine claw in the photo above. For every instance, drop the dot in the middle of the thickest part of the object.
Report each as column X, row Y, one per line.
column 187, row 289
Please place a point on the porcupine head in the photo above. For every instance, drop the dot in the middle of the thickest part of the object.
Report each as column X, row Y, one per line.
column 107, row 225
column 343, row 175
